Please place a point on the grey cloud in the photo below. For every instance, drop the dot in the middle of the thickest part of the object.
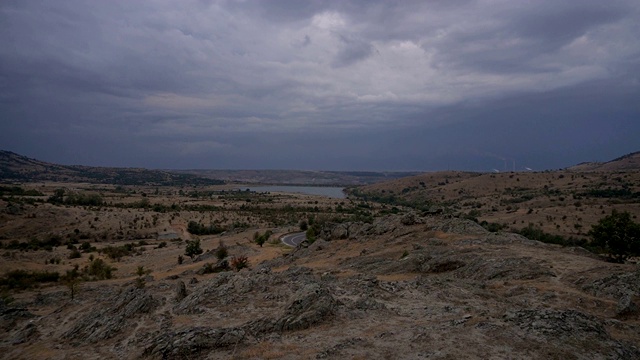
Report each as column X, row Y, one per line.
column 384, row 85
column 306, row 41
column 351, row 51
column 560, row 23
column 514, row 40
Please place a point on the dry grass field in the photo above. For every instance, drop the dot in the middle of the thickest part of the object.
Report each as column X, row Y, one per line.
column 558, row 202
column 154, row 215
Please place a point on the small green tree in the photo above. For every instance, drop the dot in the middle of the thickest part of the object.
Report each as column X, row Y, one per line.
column 617, row 235
column 141, row 271
column 311, row 235
column 98, row 269
column 260, row 239
column 193, row 248
column 57, row 197
column 221, row 251
column 75, row 254
column 140, row 281
column 72, row 281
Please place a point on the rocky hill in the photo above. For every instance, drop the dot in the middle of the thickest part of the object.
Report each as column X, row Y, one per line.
column 629, row 162
column 562, row 202
column 15, row 167
column 401, row 287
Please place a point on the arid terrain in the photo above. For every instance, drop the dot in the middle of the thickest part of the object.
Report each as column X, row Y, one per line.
column 95, row 270
column 564, row 202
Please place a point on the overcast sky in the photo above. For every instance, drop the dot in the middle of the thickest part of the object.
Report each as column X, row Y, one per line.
column 324, row 85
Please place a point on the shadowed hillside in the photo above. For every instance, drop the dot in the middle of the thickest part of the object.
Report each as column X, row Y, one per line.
column 14, row 167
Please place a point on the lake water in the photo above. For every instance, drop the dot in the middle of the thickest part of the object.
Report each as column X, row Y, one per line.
column 332, row 192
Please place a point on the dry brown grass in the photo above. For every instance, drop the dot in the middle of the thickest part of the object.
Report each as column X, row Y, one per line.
column 553, row 201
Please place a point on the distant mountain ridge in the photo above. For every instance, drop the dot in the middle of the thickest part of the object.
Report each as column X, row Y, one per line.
column 16, row 167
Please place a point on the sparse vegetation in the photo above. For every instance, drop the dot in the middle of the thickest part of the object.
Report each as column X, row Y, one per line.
column 303, row 225
column 140, row 280
column 534, row 233
column 260, row 239
column 199, row 229
column 62, row 196
column 193, row 248
column 311, row 235
column 35, row 244
column 221, row 251
column 75, row 254
column 98, row 269
column 118, row 252
column 18, row 191
column 72, row 281
column 239, row 262
column 617, row 235
column 23, row 279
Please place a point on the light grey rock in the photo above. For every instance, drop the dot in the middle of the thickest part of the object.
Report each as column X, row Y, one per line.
column 340, row 231
column 106, row 322
column 181, row 291
column 311, row 305
column 193, row 342
column 409, row 218
column 626, row 306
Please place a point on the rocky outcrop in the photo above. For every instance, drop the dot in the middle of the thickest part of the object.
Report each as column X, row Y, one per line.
column 191, row 303
column 311, row 305
column 181, row 291
column 576, row 332
column 487, row 268
column 615, row 286
column 626, row 306
column 10, row 315
column 105, row 322
column 192, row 342
column 556, row 323
column 410, row 292
column 459, row 226
column 27, row 333
column 410, row 218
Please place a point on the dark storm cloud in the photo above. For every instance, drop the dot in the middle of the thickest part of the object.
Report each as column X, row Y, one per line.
column 319, row 84
column 352, row 51
column 516, row 39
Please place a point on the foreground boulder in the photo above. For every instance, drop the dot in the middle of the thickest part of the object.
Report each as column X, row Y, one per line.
column 189, row 343
column 104, row 323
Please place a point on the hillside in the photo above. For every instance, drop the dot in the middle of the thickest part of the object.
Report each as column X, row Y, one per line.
column 563, row 202
column 15, row 167
column 629, row 162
